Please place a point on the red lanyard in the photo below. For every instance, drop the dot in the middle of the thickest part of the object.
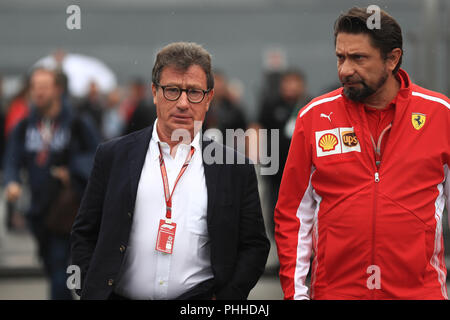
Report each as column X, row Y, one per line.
column 167, row 194
column 46, row 130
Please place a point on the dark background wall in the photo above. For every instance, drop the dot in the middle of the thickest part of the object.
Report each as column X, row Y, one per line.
column 126, row 35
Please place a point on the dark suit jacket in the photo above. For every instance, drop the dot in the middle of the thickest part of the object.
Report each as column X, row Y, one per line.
column 101, row 231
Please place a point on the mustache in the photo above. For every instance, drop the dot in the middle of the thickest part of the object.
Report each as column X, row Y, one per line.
column 352, row 80
column 349, row 80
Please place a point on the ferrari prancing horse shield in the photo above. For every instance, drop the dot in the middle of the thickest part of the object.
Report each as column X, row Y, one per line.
column 418, row 120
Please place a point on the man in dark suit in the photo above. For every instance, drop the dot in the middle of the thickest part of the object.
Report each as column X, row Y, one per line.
column 159, row 219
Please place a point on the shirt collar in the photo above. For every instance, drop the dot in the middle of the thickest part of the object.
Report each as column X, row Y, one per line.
column 154, row 150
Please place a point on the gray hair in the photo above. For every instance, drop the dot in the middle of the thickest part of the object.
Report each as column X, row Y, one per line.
column 182, row 55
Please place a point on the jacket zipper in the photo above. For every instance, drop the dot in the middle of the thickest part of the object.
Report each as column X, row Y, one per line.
column 374, row 213
column 377, row 162
column 376, row 165
column 377, row 177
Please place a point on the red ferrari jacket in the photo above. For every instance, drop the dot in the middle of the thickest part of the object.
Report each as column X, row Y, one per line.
column 375, row 230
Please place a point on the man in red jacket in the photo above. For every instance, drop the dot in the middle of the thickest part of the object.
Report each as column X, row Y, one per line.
column 367, row 178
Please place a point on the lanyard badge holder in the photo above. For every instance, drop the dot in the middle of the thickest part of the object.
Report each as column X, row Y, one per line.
column 167, row 228
column 166, row 236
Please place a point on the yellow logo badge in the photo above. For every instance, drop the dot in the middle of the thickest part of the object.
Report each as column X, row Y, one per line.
column 328, row 142
column 418, row 120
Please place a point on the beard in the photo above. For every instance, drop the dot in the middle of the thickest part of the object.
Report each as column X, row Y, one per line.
column 42, row 104
column 360, row 94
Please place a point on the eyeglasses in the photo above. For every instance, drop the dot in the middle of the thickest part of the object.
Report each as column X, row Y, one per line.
column 173, row 93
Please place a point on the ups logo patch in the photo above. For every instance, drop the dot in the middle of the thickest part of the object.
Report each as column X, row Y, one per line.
column 349, row 139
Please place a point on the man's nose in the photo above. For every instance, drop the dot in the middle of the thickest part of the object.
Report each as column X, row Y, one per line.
column 183, row 101
column 346, row 69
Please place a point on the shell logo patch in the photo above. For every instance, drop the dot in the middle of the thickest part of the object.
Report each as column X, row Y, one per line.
column 328, row 142
column 336, row 141
column 418, row 120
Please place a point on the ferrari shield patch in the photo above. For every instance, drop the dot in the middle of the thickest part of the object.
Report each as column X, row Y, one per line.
column 418, row 120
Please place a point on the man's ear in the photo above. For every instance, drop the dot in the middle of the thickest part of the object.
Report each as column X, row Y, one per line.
column 393, row 58
column 154, row 89
column 209, row 97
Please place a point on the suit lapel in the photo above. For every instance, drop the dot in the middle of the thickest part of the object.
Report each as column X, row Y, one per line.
column 137, row 150
column 211, row 176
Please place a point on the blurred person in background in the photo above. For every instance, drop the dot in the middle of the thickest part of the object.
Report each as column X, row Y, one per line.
column 367, row 177
column 2, row 125
column 275, row 113
column 224, row 113
column 56, row 149
column 140, row 112
column 17, row 110
column 92, row 106
column 2, row 137
column 112, row 121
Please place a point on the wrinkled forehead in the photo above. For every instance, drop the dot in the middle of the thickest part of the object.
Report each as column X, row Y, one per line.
column 192, row 75
column 354, row 43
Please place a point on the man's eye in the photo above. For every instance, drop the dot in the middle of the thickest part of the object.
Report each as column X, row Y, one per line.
column 195, row 92
column 172, row 90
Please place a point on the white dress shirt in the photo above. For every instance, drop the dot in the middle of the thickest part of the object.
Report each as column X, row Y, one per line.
column 150, row 274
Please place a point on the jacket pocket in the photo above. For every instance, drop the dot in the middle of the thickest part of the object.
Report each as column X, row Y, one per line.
column 401, row 246
column 346, row 257
column 402, row 257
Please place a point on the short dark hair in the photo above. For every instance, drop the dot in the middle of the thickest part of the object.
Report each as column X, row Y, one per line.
column 294, row 72
column 182, row 55
column 386, row 38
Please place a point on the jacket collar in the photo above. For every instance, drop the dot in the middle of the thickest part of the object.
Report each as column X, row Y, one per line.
column 403, row 94
column 358, row 119
column 137, row 150
column 212, row 171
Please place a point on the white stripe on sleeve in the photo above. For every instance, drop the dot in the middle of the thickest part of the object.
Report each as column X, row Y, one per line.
column 306, row 213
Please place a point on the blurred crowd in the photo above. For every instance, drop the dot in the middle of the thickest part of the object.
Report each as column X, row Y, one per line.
column 48, row 140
